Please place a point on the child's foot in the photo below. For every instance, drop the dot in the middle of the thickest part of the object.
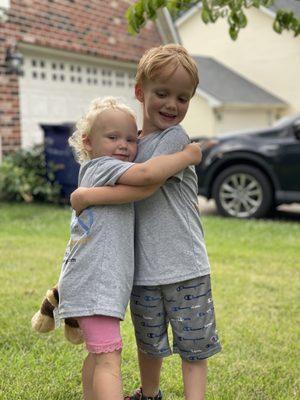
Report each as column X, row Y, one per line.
column 138, row 395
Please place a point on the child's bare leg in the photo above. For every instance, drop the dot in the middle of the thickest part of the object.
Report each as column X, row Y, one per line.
column 150, row 373
column 194, row 379
column 87, row 377
column 107, row 383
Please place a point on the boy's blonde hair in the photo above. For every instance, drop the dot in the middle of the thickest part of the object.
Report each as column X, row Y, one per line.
column 85, row 125
column 169, row 55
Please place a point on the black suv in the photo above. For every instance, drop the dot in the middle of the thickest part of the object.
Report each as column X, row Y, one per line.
column 250, row 173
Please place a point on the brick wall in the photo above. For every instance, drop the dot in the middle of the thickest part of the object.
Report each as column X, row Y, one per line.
column 9, row 94
column 94, row 27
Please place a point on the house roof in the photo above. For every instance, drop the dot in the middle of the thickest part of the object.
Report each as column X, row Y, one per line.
column 228, row 87
column 96, row 28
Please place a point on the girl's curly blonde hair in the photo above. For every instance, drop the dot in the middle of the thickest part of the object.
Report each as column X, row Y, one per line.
column 84, row 126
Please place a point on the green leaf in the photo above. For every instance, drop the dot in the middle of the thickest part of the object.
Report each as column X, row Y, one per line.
column 135, row 20
column 205, row 16
column 139, row 9
column 160, row 3
column 233, row 32
column 242, row 20
column 277, row 27
column 24, row 177
column 151, row 9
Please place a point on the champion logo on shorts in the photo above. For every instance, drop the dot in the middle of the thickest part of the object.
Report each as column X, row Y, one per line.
column 192, row 297
column 155, row 335
column 214, row 339
column 179, row 288
column 142, row 316
column 181, row 319
column 151, row 298
column 181, row 339
column 194, row 358
column 143, row 305
column 190, row 329
column 203, row 313
column 151, row 326
column 180, row 308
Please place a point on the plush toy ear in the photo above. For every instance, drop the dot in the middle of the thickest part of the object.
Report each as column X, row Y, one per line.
column 73, row 333
column 53, row 298
column 43, row 320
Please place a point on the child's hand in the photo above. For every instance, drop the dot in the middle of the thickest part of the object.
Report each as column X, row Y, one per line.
column 206, row 144
column 195, row 153
column 77, row 200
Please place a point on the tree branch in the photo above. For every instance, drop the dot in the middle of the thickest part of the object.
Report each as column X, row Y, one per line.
column 233, row 10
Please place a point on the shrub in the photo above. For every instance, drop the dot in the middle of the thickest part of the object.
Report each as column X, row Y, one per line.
column 24, row 176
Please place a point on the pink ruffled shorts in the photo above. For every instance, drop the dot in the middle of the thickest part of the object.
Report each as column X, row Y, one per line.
column 101, row 333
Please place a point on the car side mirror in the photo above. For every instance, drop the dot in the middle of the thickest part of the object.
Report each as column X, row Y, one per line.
column 296, row 127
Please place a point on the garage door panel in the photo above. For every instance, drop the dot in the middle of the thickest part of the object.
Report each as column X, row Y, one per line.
column 55, row 90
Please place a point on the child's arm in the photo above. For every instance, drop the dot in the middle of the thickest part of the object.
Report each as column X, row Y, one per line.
column 83, row 197
column 160, row 168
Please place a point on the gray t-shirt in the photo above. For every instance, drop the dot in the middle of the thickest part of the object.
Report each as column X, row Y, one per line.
column 169, row 242
column 97, row 271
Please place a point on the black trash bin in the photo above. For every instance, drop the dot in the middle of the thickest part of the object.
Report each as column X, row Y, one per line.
column 58, row 151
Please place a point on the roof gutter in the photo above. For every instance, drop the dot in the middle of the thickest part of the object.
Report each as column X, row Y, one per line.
column 166, row 27
column 212, row 101
column 179, row 21
column 220, row 105
column 244, row 106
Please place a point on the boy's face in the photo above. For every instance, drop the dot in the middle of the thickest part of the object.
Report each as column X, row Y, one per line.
column 165, row 100
column 114, row 134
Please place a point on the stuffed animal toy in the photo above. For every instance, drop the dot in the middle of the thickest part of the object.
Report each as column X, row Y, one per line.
column 43, row 321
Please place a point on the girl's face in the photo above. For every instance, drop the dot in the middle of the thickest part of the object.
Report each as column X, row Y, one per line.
column 114, row 134
column 165, row 100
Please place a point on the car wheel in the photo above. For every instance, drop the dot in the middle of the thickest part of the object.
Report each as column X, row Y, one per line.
column 242, row 191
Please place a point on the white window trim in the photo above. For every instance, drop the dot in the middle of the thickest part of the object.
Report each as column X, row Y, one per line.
column 5, row 4
column 25, row 48
column 4, row 7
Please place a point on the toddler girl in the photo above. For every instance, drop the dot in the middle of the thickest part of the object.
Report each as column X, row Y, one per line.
column 97, row 271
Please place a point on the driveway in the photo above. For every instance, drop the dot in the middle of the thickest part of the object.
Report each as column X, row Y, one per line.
column 289, row 212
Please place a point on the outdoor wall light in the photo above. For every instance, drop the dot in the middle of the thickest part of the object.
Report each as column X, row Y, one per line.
column 218, row 115
column 14, row 61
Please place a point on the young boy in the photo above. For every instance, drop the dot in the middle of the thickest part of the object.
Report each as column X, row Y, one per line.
column 172, row 272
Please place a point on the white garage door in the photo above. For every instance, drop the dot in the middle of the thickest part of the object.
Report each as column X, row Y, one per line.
column 58, row 89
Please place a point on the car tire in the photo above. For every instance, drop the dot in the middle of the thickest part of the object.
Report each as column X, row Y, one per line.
column 242, row 191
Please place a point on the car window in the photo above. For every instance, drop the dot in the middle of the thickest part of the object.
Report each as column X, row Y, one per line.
column 286, row 121
column 275, row 133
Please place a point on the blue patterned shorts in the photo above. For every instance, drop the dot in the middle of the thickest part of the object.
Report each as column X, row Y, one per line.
column 188, row 307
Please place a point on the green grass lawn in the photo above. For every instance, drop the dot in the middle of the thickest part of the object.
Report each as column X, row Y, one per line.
column 255, row 270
